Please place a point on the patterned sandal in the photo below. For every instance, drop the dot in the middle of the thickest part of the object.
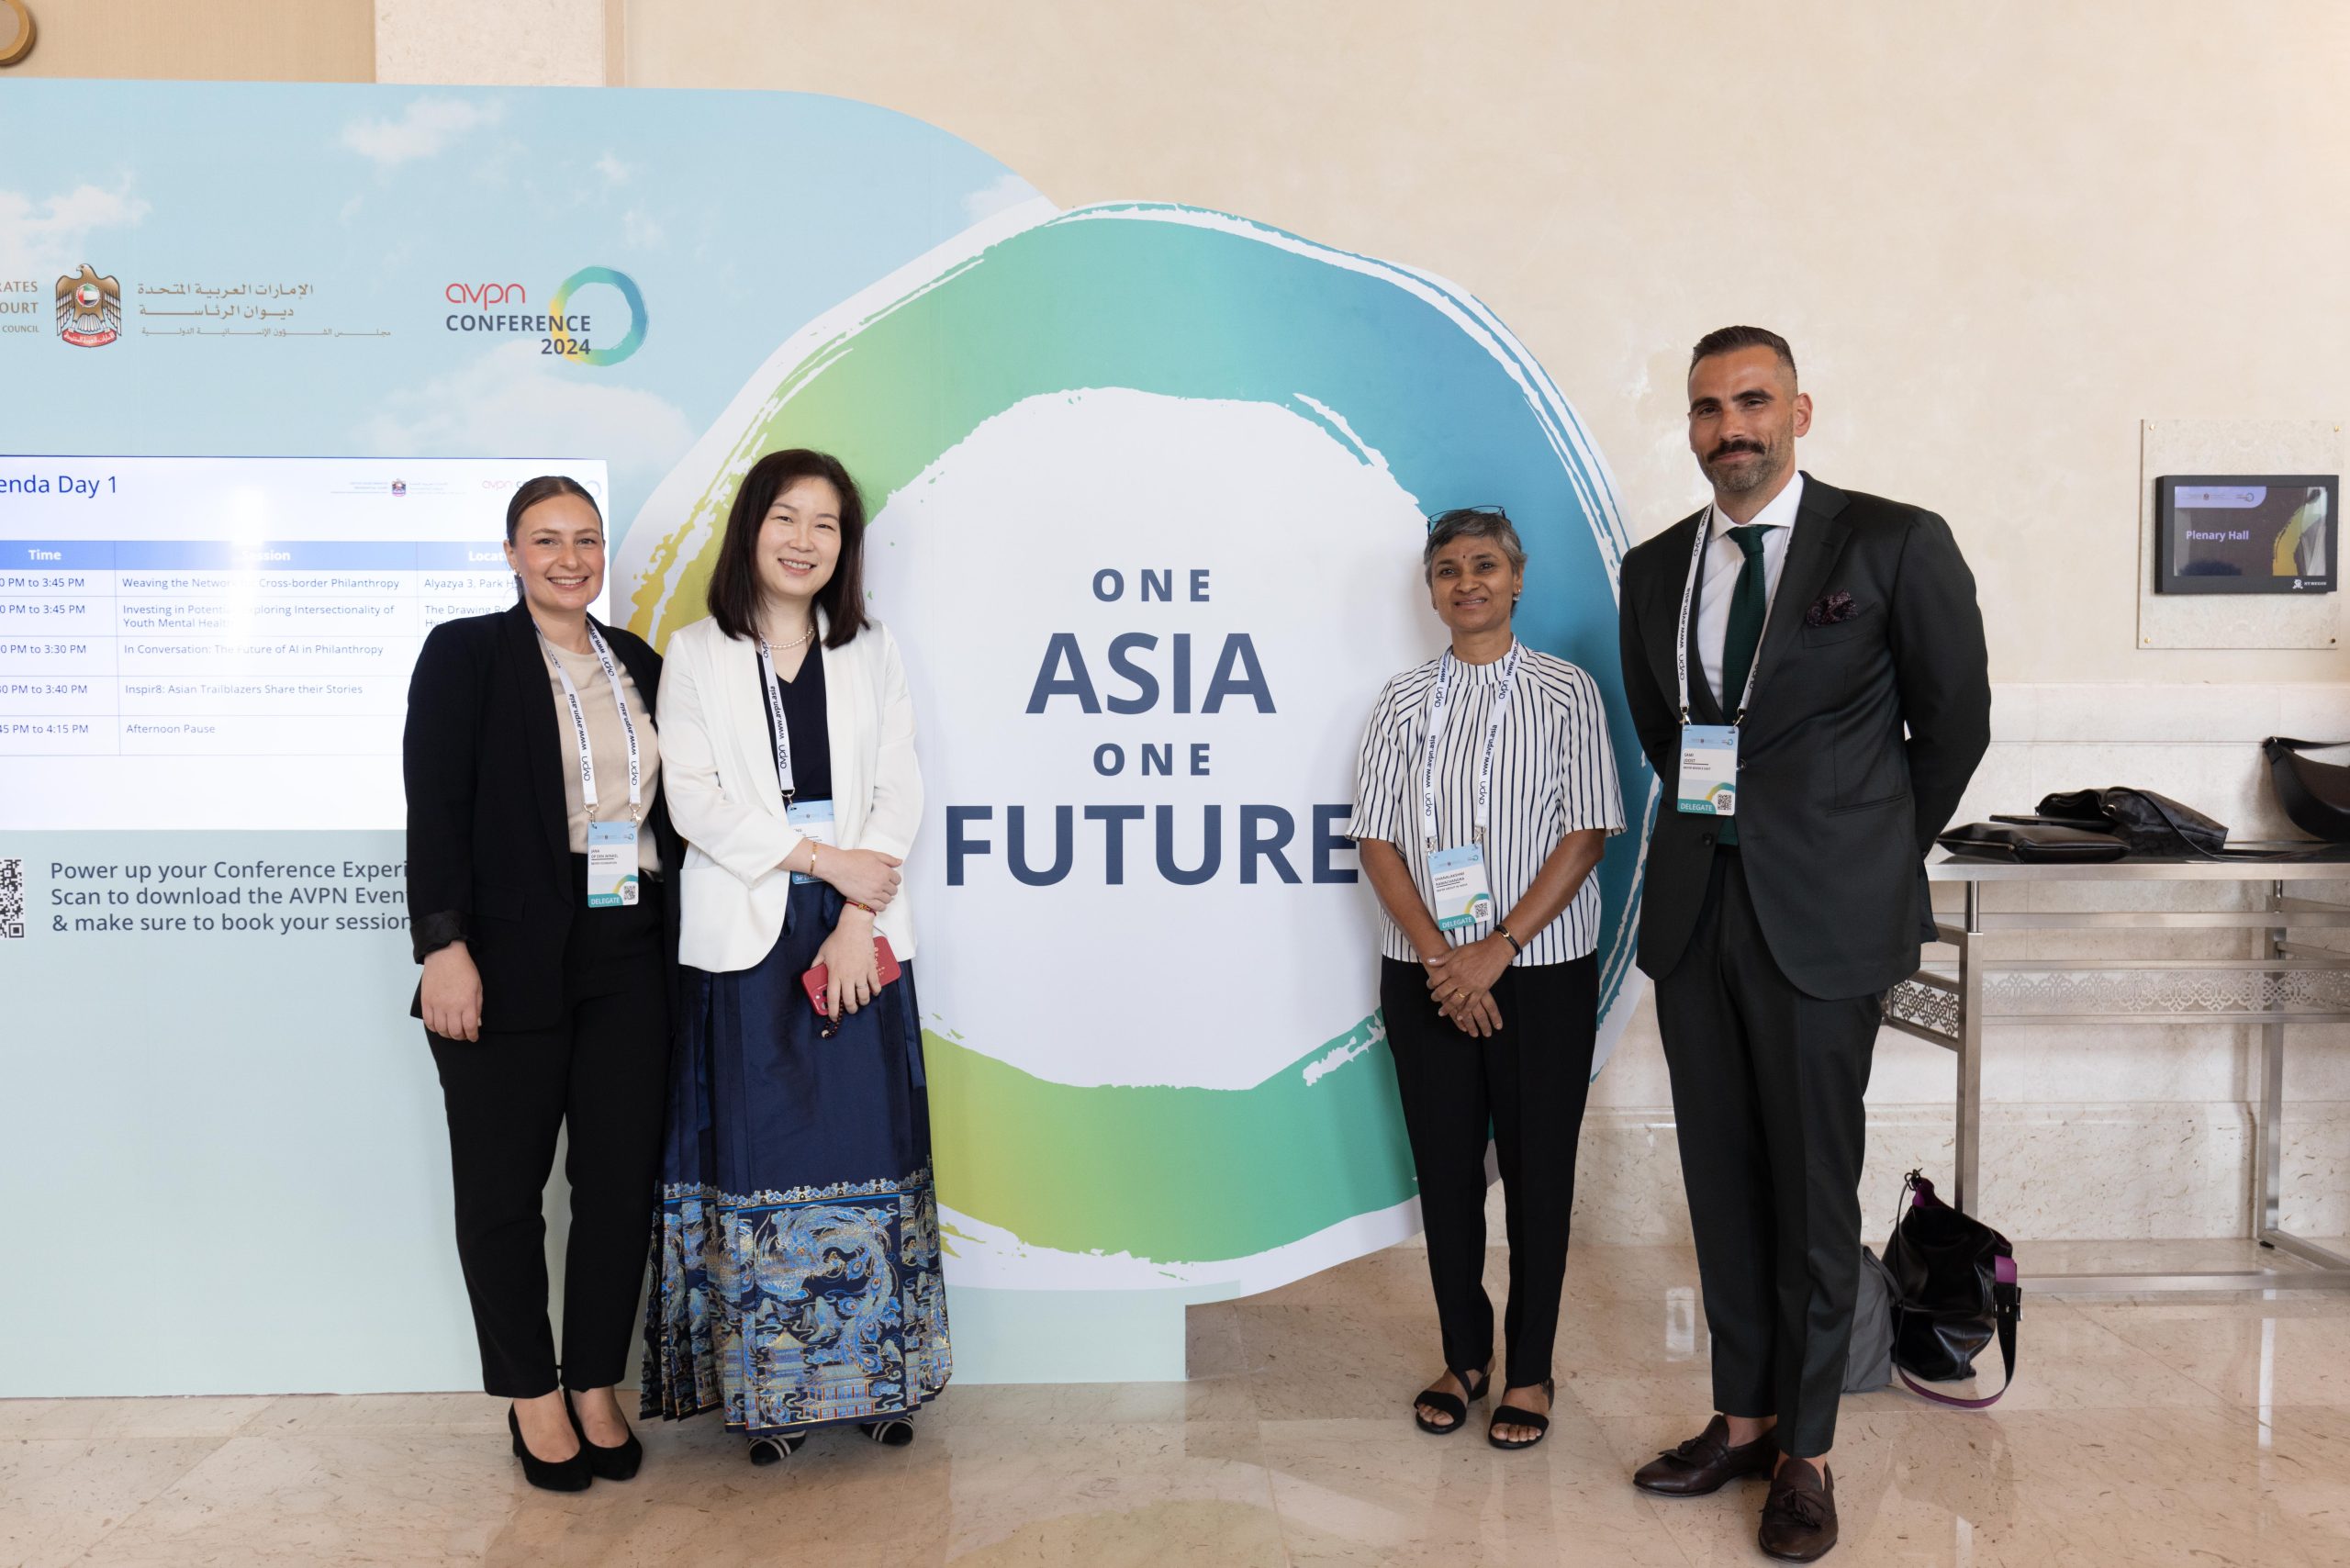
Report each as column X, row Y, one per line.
column 1449, row 1404
column 896, row 1432
column 776, row 1450
column 1511, row 1415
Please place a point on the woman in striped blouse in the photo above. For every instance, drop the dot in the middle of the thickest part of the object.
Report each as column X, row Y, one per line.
column 1483, row 796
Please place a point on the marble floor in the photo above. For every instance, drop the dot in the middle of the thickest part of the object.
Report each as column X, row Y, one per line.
column 2205, row 1430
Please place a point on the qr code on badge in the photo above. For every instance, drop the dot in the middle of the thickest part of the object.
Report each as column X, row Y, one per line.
column 12, row 896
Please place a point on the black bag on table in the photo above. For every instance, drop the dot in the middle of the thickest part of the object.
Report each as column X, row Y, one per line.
column 2315, row 795
column 2032, row 844
column 2145, row 822
column 2151, row 825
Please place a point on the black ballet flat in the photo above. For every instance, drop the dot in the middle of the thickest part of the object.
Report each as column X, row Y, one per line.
column 1511, row 1415
column 549, row 1474
column 618, row 1462
column 1450, row 1404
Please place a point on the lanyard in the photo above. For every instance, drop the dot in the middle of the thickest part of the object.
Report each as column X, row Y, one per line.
column 782, row 732
column 579, row 728
column 1439, row 700
column 1681, row 641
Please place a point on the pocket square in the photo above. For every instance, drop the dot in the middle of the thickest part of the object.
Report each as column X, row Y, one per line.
column 1831, row 609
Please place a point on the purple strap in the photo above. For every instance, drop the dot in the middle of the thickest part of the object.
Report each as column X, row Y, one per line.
column 2003, row 1272
column 2004, row 1269
column 1924, row 1393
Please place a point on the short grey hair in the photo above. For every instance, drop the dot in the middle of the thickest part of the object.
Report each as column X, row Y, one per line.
column 1472, row 523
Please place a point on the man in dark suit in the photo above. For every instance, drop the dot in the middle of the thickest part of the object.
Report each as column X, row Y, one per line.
column 1836, row 635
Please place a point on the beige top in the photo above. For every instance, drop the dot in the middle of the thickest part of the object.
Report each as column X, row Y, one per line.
column 608, row 747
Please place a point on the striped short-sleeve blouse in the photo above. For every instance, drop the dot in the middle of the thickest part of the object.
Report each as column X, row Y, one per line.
column 1553, row 775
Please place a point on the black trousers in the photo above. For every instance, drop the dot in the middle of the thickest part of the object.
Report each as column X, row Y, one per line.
column 1766, row 1092
column 603, row 1071
column 1527, row 1083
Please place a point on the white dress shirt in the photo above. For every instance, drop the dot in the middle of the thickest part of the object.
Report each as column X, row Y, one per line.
column 1724, row 560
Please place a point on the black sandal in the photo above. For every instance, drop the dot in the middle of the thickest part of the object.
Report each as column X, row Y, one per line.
column 1511, row 1415
column 895, row 1432
column 1449, row 1404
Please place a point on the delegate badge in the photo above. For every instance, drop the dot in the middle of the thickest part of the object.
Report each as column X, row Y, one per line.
column 1458, row 889
column 811, row 820
column 1709, row 769
column 611, row 864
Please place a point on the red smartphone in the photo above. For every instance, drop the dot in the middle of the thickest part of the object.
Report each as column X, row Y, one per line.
column 814, row 982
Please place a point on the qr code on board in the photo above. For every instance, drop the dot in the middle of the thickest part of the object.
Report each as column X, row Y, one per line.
column 12, row 896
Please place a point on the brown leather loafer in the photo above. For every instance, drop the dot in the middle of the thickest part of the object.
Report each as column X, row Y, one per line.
column 1706, row 1463
column 1799, row 1516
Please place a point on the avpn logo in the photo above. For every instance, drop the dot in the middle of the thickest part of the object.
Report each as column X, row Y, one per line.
column 568, row 328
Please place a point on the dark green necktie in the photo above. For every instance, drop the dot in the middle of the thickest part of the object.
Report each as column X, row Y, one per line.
column 1748, row 601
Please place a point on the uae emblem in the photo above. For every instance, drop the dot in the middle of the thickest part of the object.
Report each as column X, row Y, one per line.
column 89, row 309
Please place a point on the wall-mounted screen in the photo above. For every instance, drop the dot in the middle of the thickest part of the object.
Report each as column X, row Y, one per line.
column 2248, row 532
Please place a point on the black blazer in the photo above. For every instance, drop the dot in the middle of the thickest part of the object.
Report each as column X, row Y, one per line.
column 488, row 842
column 1861, row 737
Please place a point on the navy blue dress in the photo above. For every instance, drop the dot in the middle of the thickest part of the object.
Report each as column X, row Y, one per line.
column 796, row 1278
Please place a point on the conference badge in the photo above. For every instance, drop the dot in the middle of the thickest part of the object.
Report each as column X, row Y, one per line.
column 1458, row 888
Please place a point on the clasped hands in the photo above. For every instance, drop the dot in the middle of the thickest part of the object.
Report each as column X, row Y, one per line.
column 861, row 875
column 868, row 880
column 1461, row 980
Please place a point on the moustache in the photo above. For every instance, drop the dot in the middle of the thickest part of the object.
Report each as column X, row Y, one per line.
column 1728, row 447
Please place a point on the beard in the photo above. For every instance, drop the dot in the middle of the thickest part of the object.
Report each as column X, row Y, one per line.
column 1745, row 470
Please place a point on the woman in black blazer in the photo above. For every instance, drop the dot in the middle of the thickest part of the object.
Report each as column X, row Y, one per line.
column 547, row 990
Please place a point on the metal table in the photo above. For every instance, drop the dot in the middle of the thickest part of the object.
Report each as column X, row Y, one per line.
column 2293, row 983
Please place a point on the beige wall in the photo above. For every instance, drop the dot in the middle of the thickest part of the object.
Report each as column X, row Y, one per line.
column 230, row 41
column 1999, row 235
column 522, row 43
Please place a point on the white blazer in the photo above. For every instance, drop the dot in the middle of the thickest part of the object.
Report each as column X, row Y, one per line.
column 718, row 771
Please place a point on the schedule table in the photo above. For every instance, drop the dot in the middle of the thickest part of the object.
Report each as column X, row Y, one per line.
column 226, row 643
column 125, row 647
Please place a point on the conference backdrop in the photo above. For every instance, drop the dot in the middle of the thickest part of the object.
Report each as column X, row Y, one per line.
column 1148, row 487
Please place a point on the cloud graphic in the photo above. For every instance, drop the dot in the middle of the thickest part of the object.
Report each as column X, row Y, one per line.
column 614, row 172
column 428, row 126
column 515, row 402
column 639, row 231
column 41, row 240
column 1007, row 191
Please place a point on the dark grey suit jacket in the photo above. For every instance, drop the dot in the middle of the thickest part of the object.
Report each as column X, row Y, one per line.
column 1860, row 738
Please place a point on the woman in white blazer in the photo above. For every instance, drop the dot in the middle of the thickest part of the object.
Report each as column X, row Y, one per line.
column 797, row 1281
